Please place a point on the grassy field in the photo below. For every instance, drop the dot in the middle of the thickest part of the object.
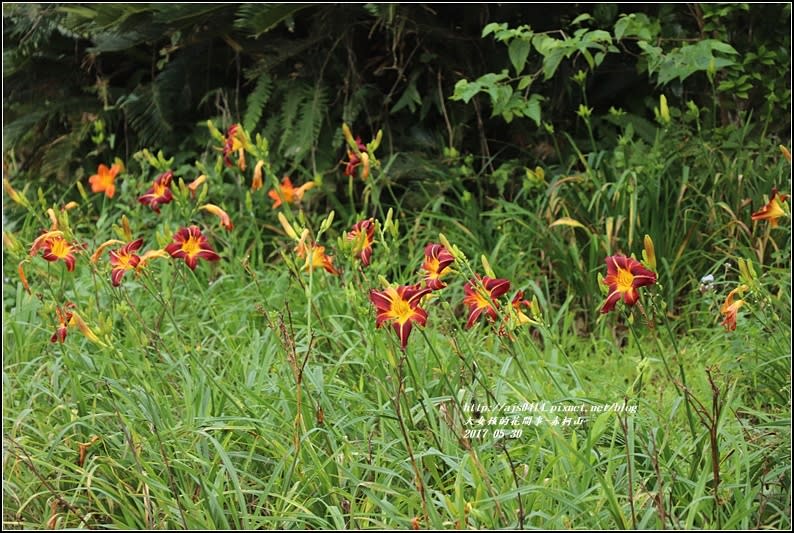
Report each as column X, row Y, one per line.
column 255, row 391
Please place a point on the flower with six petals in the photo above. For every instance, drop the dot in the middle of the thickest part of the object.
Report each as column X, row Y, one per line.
column 400, row 306
column 624, row 276
column 105, row 178
column 123, row 260
column 288, row 192
column 480, row 295
column 54, row 247
column 436, row 265
column 191, row 245
column 159, row 192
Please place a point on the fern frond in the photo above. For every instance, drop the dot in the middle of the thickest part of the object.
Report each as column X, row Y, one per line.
column 256, row 101
column 260, row 18
column 293, row 97
column 307, row 130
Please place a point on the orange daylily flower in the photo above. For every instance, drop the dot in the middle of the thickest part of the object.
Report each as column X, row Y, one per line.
column 773, row 210
column 159, row 192
column 289, row 193
column 55, row 247
column 363, row 235
column 191, row 245
column 400, row 306
column 483, row 301
column 436, row 265
column 123, row 260
column 730, row 307
column 226, row 222
column 105, row 179
column 316, row 258
column 624, row 276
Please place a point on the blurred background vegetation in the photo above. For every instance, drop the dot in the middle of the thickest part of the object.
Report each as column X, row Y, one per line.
column 499, row 120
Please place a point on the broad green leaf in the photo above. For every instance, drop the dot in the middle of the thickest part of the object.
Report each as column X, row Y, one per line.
column 518, row 52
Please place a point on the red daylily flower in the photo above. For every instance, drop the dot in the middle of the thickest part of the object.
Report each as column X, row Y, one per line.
column 64, row 318
column 519, row 302
column 316, row 258
column 191, row 245
column 236, row 141
column 159, row 192
column 356, row 159
column 437, row 261
column 55, row 247
column 624, row 276
column 363, row 235
column 773, row 210
column 105, row 178
column 124, row 259
column 730, row 307
column 291, row 195
column 480, row 301
column 400, row 306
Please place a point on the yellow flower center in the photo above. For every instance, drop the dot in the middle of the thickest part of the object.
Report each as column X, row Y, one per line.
column 400, row 310
column 432, row 266
column 124, row 262
column 191, row 246
column 60, row 248
column 625, row 280
column 159, row 189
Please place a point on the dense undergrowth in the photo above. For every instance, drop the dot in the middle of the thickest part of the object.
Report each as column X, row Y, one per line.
column 228, row 371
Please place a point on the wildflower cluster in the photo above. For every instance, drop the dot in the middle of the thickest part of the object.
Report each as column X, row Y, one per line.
column 625, row 275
